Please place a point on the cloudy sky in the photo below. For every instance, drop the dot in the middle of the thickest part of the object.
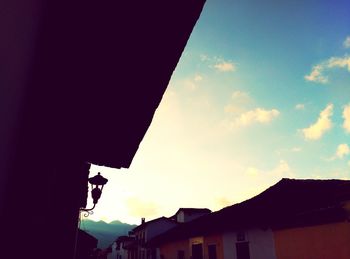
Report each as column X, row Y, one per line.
column 262, row 92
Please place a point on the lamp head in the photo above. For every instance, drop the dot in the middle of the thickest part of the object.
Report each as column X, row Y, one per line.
column 99, row 181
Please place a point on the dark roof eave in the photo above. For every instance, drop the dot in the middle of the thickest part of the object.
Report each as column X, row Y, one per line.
column 82, row 70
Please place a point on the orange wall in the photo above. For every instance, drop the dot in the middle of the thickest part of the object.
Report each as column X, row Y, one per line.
column 318, row 242
column 169, row 250
column 217, row 240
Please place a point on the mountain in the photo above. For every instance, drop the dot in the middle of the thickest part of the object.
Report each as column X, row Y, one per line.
column 106, row 233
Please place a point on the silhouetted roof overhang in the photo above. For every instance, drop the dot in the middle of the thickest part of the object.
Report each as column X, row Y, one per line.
column 90, row 74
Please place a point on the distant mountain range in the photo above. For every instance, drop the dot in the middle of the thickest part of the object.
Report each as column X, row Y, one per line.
column 106, row 233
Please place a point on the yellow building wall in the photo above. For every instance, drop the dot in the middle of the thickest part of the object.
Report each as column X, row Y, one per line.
column 171, row 249
column 211, row 240
column 329, row 241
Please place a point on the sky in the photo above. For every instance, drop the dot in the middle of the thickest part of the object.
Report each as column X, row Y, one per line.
column 261, row 92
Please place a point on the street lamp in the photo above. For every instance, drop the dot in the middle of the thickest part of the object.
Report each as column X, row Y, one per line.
column 97, row 182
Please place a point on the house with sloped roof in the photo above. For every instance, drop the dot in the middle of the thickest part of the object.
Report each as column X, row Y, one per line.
column 118, row 249
column 134, row 246
column 145, row 232
column 189, row 214
column 292, row 219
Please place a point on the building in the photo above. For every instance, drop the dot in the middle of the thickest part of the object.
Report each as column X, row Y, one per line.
column 322, row 232
column 291, row 220
column 135, row 246
column 151, row 229
column 86, row 244
column 119, row 247
column 189, row 214
column 145, row 232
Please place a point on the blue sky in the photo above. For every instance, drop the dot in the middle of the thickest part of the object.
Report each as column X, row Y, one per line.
column 261, row 92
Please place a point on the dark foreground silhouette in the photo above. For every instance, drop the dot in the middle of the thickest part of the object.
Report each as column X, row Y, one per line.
column 79, row 81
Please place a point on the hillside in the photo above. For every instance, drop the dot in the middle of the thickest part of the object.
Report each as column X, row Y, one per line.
column 106, row 233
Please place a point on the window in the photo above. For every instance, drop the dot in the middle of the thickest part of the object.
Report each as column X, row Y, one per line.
column 180, row 254
column 197, row 251
column 242, row 250
column 212, row 251
column 240, row 236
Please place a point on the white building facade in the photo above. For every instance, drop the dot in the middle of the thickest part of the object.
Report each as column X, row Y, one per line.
column 254, row 243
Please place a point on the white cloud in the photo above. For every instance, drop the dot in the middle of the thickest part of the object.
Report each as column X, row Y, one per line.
column 198, row 78
column 317, row 73
column 192, row 83
column 281, row 151
column 281, row 170
column 239, row 94
column 346, row 116
column 239, row 100
column 258, row 115
column 140, row 208
column 204, row 57
column 218, row 63
column 342, row 150
column 323, row 124
column 296, row 149
column 221, row 202
column 346, row 42
column 343, row 62
column 189, row 84
column 300, row 106
column 225, row 66
column 233, row 108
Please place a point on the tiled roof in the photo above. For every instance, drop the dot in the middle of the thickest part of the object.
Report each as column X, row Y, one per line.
column 152, row 221
column 191, row 211
column 194, row 210
column 86, row 239
column 288, row 202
